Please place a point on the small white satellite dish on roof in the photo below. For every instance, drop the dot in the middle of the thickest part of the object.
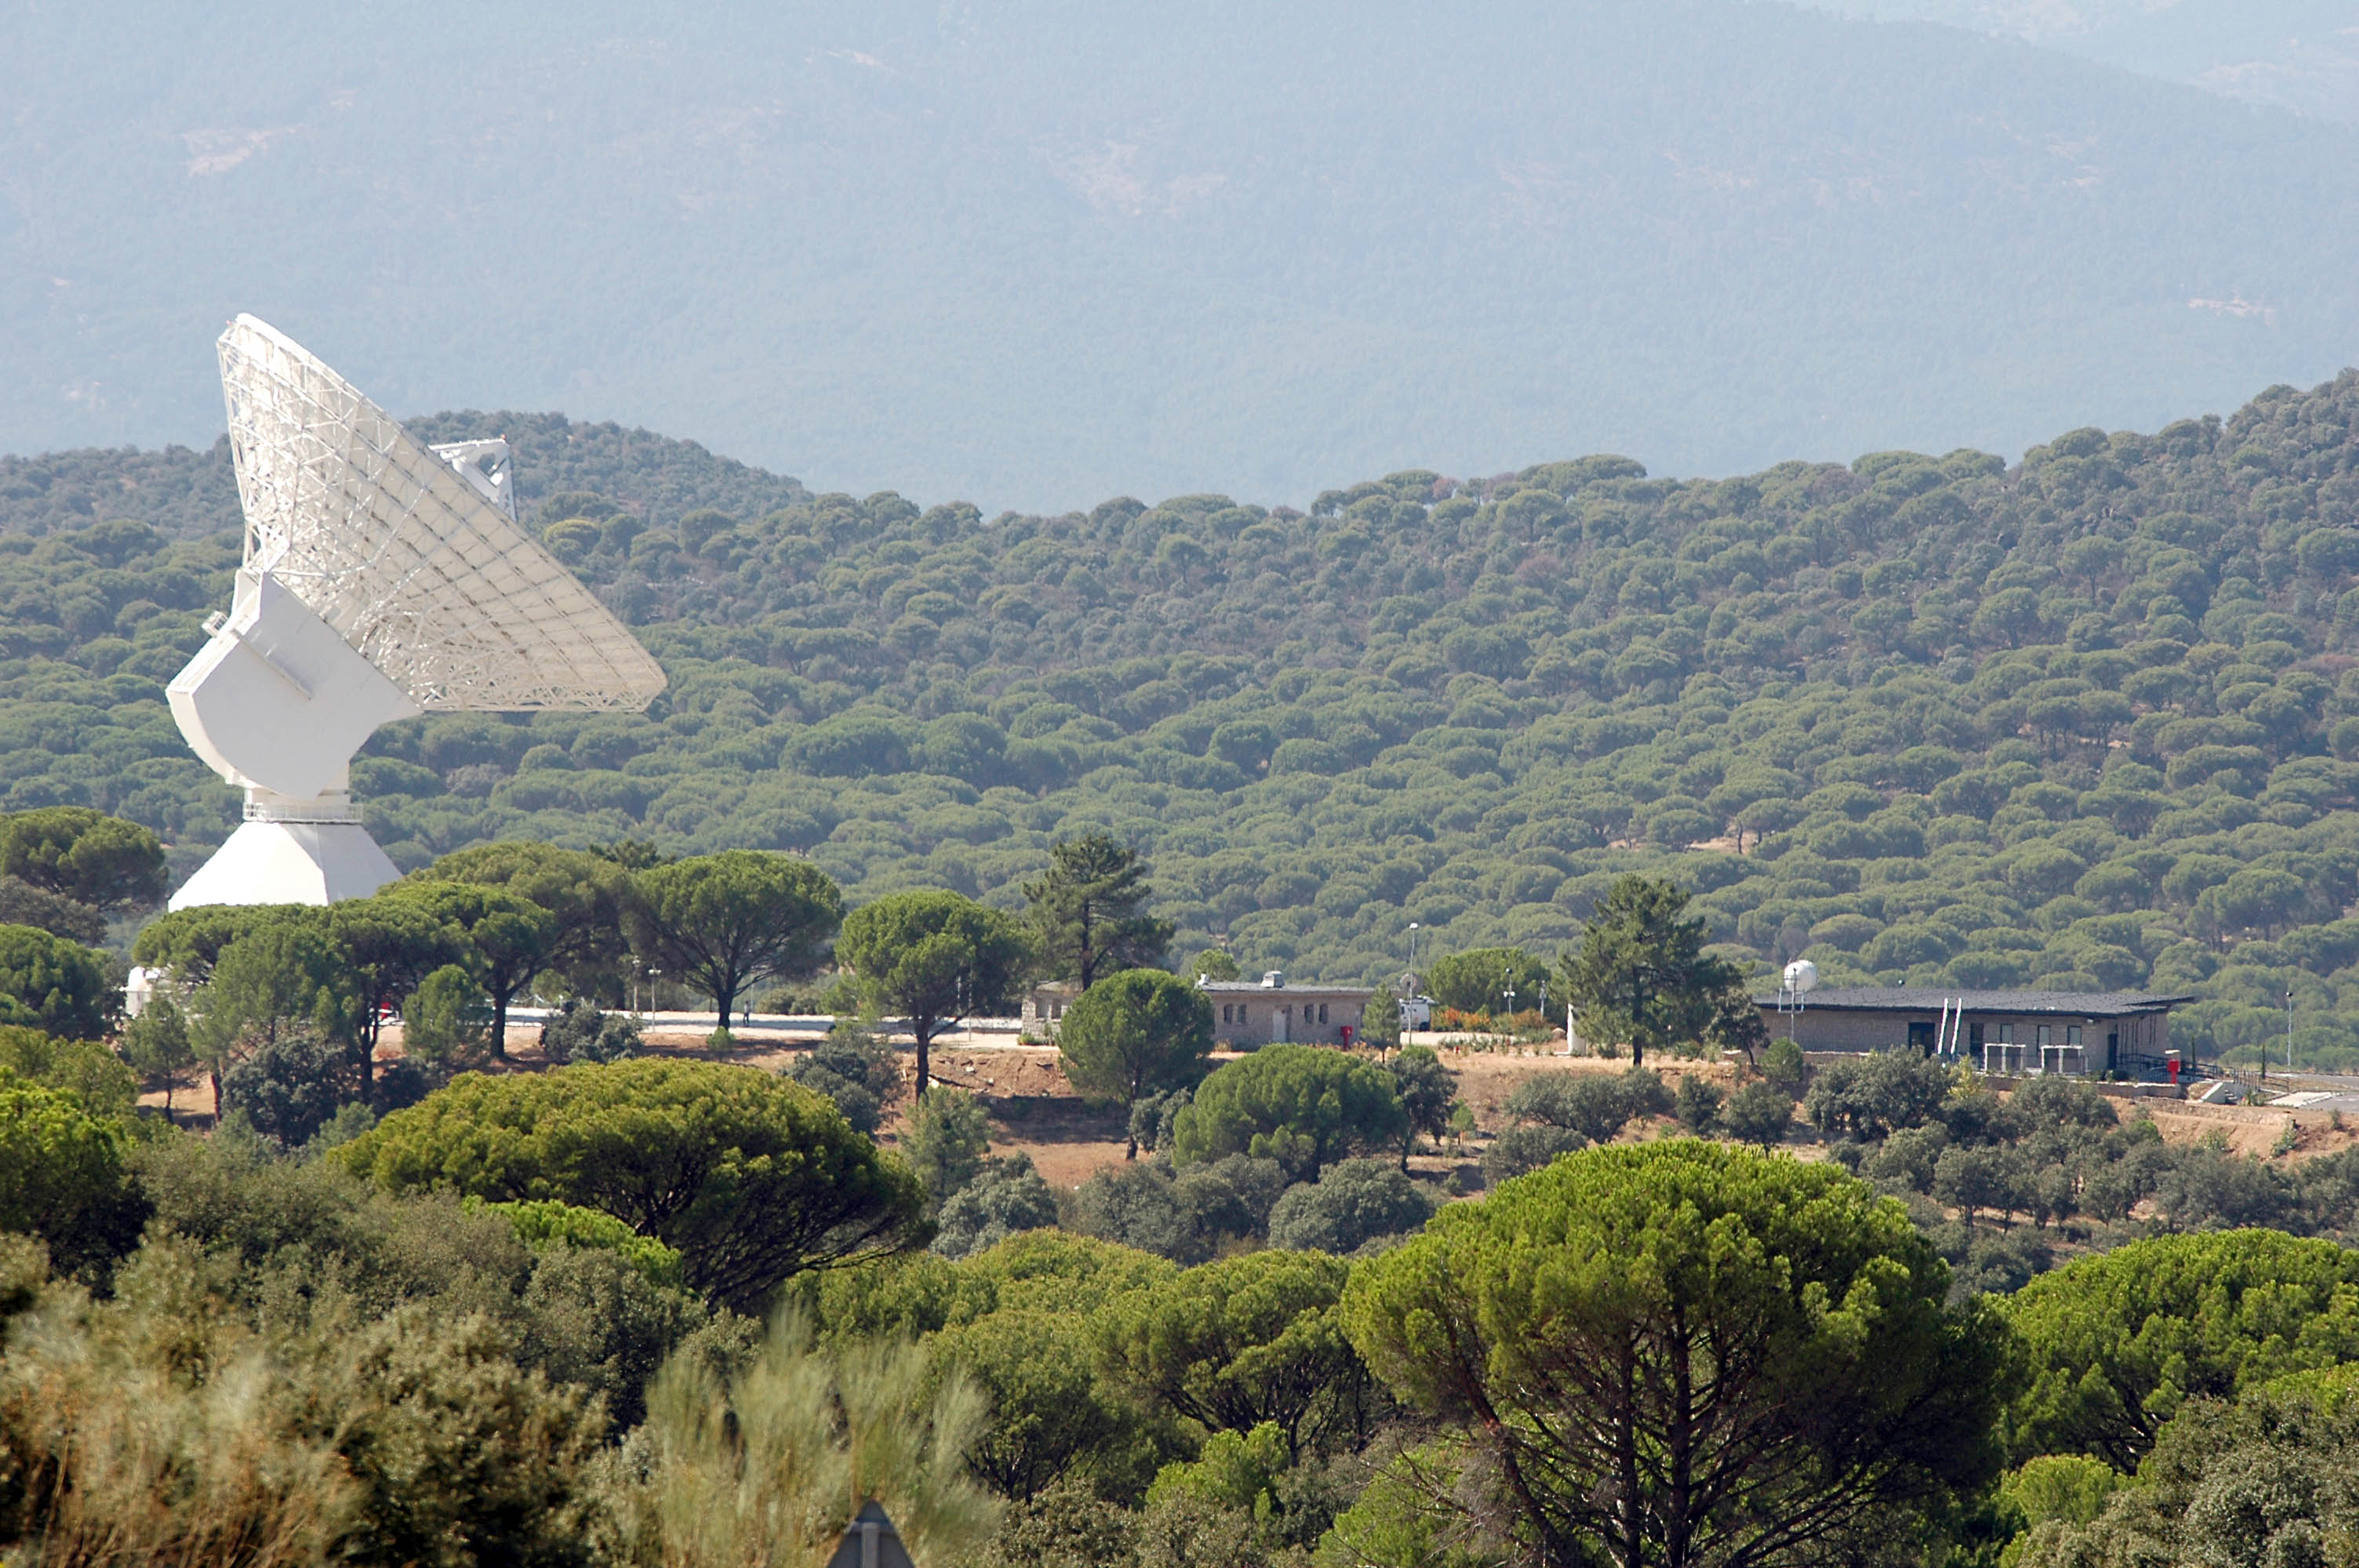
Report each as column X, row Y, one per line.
column 1801, row 975
column 381, row 580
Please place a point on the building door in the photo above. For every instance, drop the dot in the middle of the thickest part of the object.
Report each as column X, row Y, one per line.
column 1921, row 1036
column 1280, row 1024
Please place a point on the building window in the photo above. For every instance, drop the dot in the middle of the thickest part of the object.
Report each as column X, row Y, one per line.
column 2043, row 1036
column 2007, row 1033
column 2071, row 1035
column 1323, row 1012
column 1975, row 1035
column 1224, row 1012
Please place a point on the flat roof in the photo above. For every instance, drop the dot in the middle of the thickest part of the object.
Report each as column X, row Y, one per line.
column 1932, row 999
column 1258, row 988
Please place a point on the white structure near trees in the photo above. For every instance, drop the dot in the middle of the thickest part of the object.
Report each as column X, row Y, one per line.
column 381, row 579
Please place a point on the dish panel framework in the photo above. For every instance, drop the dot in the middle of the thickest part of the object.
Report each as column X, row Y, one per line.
column 381, row 578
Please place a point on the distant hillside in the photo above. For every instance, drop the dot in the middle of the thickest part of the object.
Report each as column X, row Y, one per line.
column 2090, row 720
column 1037, row 253
column 185, row 495
column 2289, row 54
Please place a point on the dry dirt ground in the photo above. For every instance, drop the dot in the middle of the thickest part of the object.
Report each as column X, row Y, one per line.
column 1033, row 1108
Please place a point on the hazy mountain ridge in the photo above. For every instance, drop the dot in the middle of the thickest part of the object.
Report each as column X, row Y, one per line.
column 1033, row 255
column 187, row 494
column 2301, row 54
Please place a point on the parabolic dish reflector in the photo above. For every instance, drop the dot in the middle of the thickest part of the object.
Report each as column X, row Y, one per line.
column 417, row 569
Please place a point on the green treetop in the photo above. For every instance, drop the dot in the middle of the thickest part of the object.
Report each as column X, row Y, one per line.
column 1640, row 975
column 84, row 854
column 935, row 958
column 1138, row 1033
column 2118, row 1341
column 1680, row 1354
column 1303, row 1106
column 1087, row 911
column 720, row 923
column 751, row 1178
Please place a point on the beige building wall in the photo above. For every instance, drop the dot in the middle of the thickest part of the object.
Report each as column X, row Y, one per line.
column 1851, row 1029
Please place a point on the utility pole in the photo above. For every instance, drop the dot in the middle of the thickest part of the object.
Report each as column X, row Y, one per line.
column 2289, row 1038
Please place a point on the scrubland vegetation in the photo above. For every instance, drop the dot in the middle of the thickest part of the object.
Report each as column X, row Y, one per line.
column 671, row 1311
column 615, row 1307
column 2081, row 721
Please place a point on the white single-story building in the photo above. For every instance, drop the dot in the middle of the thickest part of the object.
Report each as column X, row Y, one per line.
column 1272, row 1012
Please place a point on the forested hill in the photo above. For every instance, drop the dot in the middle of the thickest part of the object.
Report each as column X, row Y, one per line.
column 187, row 495
column 2086, row 721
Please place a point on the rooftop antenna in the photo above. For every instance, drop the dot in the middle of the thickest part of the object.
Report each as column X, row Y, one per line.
column 1796, row 983
column 381, row 579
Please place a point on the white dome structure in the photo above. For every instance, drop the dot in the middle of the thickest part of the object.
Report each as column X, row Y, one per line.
column 381, row 579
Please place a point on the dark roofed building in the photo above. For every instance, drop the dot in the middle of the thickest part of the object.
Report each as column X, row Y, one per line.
column 1999, row 1032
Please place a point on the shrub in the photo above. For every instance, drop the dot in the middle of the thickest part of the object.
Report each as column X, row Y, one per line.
column 1697, row 1105
column 1354, row 1203
column 1229, row 1199
column 1136, row 1204
column 1303, row 1106
column 1522, row 1148
column 856, row 1070
column 1428, row 1090
column 1008, row 1196
column 1758, row 1113
column 758, row 1465
column 1876, row 1095
column 61, row 1174
column 1151, row 1119
column 578, row 1031
column 53, row 985
column 289, row 1087
column 945, row 1140
column 1591, row 1104
column 751, row 1178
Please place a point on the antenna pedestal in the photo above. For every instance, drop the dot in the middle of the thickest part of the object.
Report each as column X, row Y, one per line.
column 291, row 851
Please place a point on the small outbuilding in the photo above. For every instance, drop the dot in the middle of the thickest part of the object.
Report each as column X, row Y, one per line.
column 2075, row 1032
column 1247, row 1013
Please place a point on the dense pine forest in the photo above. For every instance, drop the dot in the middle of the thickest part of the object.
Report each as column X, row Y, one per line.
column 2084, row 721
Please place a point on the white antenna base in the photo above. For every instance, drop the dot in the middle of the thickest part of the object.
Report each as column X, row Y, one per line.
column 290, row 851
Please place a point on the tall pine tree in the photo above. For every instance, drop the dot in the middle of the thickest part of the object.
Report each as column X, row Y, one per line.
column 1087, row 912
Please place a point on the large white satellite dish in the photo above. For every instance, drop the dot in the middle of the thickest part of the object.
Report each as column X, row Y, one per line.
column 381, row 579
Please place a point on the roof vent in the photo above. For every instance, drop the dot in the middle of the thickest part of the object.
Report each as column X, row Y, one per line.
column 1272, row 979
